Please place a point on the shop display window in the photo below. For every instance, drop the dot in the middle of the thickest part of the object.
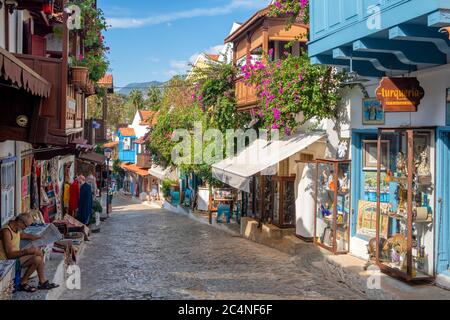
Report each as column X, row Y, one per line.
column 332, row 214
column 283, row 201
column 405, row 204
column 7, row 183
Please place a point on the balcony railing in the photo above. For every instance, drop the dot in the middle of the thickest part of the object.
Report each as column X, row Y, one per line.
column 245, row 95
column 144, row 160
column 63, row 107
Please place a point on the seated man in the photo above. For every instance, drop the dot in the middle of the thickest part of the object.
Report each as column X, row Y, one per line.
column 32, row 258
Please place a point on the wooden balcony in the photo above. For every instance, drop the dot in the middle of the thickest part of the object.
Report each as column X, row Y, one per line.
column 246, row 96
column 144, row 160
column 60, row 117
column 257, row 37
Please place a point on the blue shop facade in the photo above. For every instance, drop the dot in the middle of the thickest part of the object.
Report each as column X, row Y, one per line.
column 400, row 160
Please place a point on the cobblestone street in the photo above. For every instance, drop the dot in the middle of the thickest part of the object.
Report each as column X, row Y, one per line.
column 145, row 253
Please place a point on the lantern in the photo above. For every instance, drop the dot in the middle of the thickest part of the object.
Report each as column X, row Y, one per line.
column 47, row 7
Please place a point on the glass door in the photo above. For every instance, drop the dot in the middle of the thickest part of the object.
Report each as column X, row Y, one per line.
column 325, row 205
column 405, row 219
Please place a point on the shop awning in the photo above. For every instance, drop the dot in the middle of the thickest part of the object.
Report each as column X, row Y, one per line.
column 111, row 144
column 93, row 157
column 161, row 173
column 260, row 156
column 14, row 70
column 135, row 169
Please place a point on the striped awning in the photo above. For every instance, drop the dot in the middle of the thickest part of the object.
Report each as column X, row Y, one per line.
column 19, row 74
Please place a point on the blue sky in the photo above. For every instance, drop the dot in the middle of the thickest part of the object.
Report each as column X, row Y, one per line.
column 154, row 39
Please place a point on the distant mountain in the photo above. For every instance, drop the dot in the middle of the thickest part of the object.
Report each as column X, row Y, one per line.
column 143, row 87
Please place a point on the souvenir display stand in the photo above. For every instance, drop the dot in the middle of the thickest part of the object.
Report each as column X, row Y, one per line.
column 332, row 209
column 283, row 201
column 223, row 202
column 405, row 233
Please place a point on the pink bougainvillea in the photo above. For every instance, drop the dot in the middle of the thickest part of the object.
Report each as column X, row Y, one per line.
column 298, row 10
column 291, row 86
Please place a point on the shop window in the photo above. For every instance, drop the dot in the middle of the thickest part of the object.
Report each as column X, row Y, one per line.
column 126, row 144
column 26, row 183
column 406, row 234
column 332, row 216
column 306, row 157
column 283, row 201
column 7, row 182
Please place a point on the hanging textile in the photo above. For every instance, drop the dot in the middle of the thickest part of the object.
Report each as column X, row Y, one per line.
column 54, row 177
column 74, row 197
column 66, row 195
column 85, row 204
column 34, row 186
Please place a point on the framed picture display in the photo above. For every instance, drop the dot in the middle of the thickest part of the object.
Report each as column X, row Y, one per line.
column 370, row 155
column 373, row 112
column 367, row 219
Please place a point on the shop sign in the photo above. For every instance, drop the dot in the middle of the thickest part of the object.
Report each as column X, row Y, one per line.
column 71, row 104
column 400, row 94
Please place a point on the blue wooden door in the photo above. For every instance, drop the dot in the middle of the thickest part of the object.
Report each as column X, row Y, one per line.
column 443, row 203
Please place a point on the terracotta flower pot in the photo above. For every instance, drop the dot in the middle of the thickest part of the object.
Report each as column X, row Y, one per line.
column 79, row 75
column 89, row 88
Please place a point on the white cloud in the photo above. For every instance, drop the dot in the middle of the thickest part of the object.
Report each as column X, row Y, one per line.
column 233, row 5
column 179, row 67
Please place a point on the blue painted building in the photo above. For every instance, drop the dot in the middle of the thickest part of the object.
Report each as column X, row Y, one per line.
column 127, row 147
column 394, row 38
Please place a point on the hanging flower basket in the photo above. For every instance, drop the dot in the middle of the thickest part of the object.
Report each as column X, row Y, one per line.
column 79, row 75
column 89, row 88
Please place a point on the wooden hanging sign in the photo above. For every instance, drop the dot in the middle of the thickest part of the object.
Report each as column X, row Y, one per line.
column 400, row 94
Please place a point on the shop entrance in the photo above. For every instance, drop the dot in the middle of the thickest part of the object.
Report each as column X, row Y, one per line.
column 443, row 203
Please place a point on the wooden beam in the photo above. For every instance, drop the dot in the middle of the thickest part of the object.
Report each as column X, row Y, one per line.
column 6, row 28
column 265, row 45
column 64, row 73
column 409, row 52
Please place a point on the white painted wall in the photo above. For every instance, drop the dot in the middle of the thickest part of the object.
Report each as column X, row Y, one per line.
column 7, row 149
column 431, row 111
column 13, row 32
column 226, row 54
column 2, row 24
column 141, row 131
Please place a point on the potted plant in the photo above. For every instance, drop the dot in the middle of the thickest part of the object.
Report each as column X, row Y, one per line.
column 79, row 70
column 90, row 88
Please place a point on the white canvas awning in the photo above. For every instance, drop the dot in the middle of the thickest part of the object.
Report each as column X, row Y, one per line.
column 261, row 156
column 161, row 173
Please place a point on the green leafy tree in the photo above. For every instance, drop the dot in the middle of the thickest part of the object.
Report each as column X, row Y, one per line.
column 136, row 99
column 154, row 98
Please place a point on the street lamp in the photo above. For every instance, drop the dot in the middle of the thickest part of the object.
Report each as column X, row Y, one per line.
column 107, row 152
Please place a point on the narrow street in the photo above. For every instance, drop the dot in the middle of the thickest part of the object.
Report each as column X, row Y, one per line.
column 145, row 253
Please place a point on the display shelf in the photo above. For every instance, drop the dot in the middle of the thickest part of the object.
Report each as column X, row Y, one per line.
column 402, row 218
column 406, row 249
column 332, row 214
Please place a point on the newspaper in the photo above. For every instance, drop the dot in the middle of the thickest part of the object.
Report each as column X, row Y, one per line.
column 49, row 234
